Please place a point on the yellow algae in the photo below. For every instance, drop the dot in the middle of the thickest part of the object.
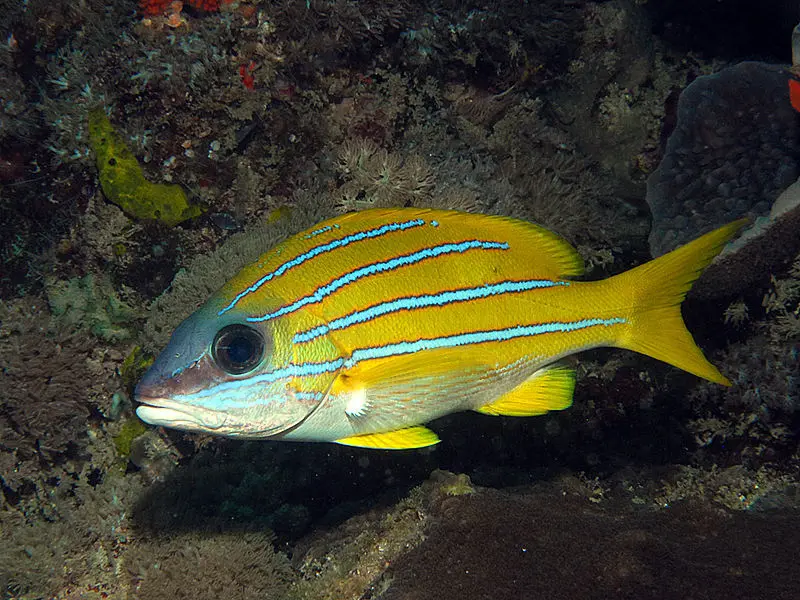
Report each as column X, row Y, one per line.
column 124, row 183
column 282, row 212
column 134, row 365
column 458, row 485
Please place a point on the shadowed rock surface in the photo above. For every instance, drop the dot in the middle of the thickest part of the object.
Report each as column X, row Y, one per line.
column 500, row 545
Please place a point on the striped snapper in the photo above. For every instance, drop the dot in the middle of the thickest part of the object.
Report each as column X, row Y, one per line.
column 361, row 329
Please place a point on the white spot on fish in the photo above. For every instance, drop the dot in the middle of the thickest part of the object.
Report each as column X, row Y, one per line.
column 357, row 404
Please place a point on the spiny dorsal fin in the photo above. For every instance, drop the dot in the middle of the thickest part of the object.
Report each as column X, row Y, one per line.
column 547, row 253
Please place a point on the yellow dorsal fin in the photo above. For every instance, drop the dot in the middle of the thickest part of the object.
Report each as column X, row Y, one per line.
column 545, row 253
column 400, row 439
column 554, row 255
column 545, row 390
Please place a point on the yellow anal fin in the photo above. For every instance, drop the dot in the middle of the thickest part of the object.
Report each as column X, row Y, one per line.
column 545, row 390
column 400, row 439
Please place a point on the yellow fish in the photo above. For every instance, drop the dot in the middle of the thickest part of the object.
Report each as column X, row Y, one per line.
column 368, row 325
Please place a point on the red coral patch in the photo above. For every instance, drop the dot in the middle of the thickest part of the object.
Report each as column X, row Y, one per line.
column 154, row 7
column 206, row 5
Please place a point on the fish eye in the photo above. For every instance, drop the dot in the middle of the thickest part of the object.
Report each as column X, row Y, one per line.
column 237, row 349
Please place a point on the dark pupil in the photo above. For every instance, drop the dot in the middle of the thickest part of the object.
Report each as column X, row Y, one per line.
column 238, row 349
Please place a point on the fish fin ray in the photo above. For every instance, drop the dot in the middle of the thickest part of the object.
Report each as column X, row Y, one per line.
column 555, row 257
column 548, row 389
column 399, row 439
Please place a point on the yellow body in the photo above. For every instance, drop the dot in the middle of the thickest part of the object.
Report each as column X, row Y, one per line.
column 391, row 318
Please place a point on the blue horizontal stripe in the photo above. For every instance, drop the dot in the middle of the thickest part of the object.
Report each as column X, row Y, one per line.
column 241, row 385
column 322, row 249
column 317, row 232
column 424, row 301
column 310, row 369
column 475, row 337
column 379, row 267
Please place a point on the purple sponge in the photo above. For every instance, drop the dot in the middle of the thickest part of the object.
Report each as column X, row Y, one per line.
column 735, row 148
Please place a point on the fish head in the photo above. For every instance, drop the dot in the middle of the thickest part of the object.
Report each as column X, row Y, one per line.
column 226, row 374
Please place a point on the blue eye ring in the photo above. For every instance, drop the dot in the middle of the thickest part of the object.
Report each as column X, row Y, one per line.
column 238, row 349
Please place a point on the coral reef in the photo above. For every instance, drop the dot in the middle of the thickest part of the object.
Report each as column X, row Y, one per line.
column 275, row 115
column 754, row 423
column 52, row 386
column 611, row 96
column 237, row 565
column 376, row 178
column 86, row 304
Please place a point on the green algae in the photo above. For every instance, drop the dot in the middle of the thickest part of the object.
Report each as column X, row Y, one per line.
column 134, row 366
column 130, row 430
column 123, row 181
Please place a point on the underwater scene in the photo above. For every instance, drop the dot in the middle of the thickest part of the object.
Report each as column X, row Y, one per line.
column 358, row 300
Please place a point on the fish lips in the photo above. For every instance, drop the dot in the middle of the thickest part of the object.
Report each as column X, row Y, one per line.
column 177, row 415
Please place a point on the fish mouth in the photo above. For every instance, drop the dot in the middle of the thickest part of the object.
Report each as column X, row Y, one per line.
column 177, row 415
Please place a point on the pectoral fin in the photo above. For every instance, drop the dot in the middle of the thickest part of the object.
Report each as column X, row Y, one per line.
column 545, row 390
column 390, row 394
column 400, row 439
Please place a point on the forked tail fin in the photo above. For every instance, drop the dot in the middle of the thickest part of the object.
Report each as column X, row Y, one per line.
column 652, row 295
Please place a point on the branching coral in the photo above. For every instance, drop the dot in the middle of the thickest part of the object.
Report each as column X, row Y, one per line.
column 782, row 302
column 753, row 421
